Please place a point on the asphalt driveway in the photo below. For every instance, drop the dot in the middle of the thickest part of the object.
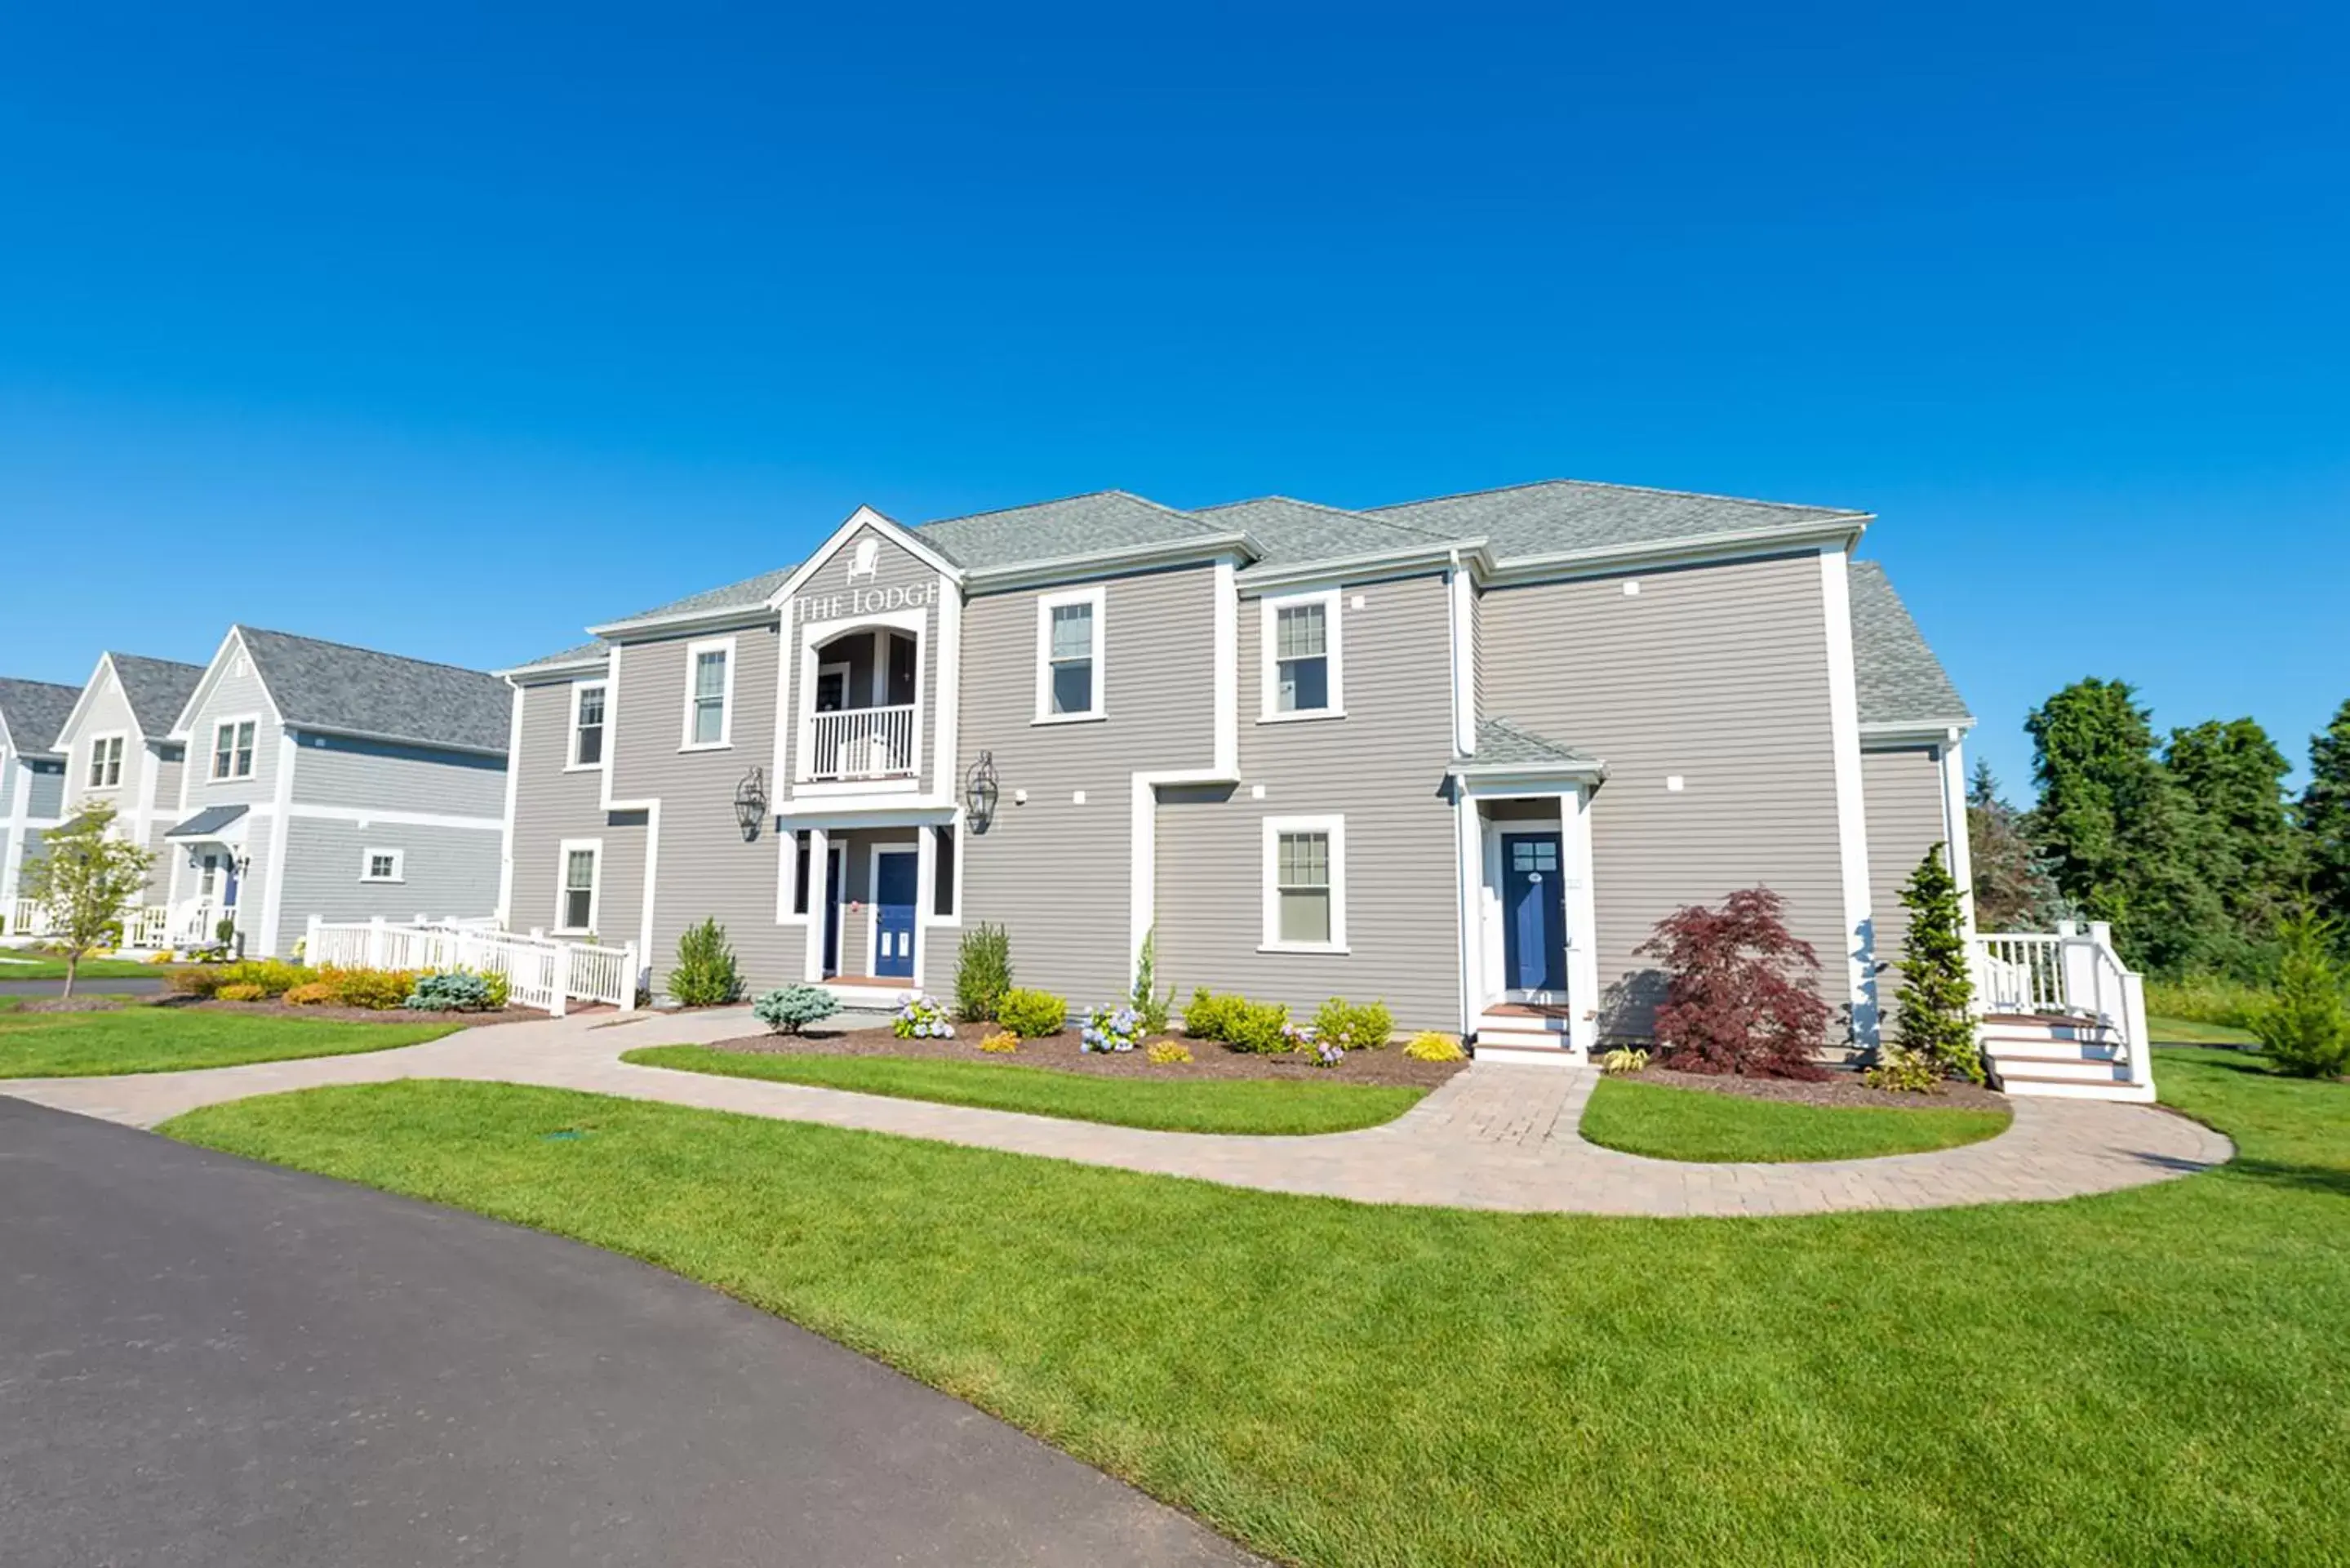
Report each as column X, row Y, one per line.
column 207, row 1361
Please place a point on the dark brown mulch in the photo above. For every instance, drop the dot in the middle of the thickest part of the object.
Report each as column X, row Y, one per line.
column 345, row 1014
column 98, row 1004
column 1845, row 1088
column 1062, row 1053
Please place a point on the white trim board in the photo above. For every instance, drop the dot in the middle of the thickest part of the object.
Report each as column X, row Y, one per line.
column 1852, row 816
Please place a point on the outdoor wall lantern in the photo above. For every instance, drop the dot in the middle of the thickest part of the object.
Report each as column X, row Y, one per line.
column 979, row 793
column 751, row 803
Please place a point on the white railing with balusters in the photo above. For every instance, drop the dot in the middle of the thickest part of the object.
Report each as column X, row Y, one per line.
column 29, row 917
column 861, row 744
column 2076, row 974
column 540, row 971
column 2019, row 971
column 143, row 925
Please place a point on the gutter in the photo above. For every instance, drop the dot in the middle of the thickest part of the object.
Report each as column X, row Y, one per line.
column 1844, row 530
column 1202, row 550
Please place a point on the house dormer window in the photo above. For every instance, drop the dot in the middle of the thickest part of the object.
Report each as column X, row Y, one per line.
column 105, row 761
column 709, row 694
column 1069, row 674
column 1302, row 656
column 587, row 724
column 233, row 749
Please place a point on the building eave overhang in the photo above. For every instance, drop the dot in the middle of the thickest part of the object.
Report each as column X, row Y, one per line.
column 1504, row 778
column 1202, row 550
column 522, row 673
column 1844, row 530
column 1926, row 732
column 713, row 618
column 297, row 727
column 1434, row 557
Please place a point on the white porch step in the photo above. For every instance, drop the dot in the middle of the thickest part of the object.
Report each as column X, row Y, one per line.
column 1524, row 1051
column 2077, row 1069
column 2075, row 1089
column 2008, row 1049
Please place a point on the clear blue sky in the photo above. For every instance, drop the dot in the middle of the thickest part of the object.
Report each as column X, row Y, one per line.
column 446, row 335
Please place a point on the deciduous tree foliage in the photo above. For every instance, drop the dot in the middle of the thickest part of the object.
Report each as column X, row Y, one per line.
column 1742, row 991
column 2325, row 817
column 2013, row 888
column 86, row 877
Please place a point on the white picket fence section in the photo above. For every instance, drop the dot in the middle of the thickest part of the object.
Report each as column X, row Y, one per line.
column 29, row 917
column 540, row 971
column 143, row 925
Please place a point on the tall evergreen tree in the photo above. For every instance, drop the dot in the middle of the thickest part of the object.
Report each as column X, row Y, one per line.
column 1936, row 1020
column 2234, row 775
column 2325, row 817
column 2013, row 889
column 2120, row 835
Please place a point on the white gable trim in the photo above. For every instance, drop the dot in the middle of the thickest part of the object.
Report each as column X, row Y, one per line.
column 864, row 517
column 214, row 672
column 103, row 674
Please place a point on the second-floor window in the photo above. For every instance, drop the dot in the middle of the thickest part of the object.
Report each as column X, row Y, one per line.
column 233, row 750
column 105, row 761
column 1301, row 655
column 709, row 688
column 1069, row 673
column 587, row 724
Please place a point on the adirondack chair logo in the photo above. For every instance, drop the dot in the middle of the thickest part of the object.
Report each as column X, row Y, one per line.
column 868, row 559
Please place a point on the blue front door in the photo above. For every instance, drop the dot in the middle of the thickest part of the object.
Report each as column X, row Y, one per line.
column 893, row 912
column 1533, row 912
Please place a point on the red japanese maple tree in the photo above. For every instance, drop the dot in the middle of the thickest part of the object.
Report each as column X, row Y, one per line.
column 1741, row 995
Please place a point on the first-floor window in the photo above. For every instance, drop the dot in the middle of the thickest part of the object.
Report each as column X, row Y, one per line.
column 1305, row 877
column 803, row 855
column 380, row 866
column 579, row 888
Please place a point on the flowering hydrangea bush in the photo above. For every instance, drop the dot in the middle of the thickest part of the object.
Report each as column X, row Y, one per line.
column 1110, row 1028
column 1305, row 1037
column 922, row 1018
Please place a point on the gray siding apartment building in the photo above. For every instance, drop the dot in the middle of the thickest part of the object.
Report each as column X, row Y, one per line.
column 32, row 775
column 1459, row 754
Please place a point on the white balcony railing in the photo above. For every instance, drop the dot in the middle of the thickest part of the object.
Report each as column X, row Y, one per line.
column 861, row 744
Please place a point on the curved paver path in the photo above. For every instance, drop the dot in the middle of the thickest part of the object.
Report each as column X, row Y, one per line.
column 1491, row 1137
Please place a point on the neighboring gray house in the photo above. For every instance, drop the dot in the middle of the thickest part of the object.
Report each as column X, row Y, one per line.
column 329, row 781
column 31, row 777
column 119, row 750
column 1461, row 755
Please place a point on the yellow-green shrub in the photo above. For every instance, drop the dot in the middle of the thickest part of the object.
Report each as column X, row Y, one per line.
column 1428, row 1045
column 1003, row 1043
column 1364, row 1028
column 377, row 990
column 1167, row 1052
column 310, row 993
column 1031, row 1014
column 238, row 990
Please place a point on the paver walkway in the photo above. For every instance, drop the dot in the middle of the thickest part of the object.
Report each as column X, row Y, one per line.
column 1491, row 1137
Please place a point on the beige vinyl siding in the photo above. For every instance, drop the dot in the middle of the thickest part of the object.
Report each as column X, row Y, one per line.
column 335, row 769
column 706, row 869
column 1717, row 674
column 894, row 567
column 551, row 805
column 1903, row 792
column 1382, row 768
column 1058, row 873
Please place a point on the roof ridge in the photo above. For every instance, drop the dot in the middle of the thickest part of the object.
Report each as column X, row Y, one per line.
column 1636, row 489
column 357, row 648
column 149, row 659
column 1433, row 536
column 1058, row 500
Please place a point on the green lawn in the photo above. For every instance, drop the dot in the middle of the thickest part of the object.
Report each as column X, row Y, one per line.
column 1668, row 1123
column 1171, row 1105
column 2188, row 1032
column 15, row 965
column 156, row 1040
column 2152, row 1376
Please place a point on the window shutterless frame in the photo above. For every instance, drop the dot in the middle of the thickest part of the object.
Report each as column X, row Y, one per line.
column 383, row 864
column 1301, row 660
column 1072, row 675
column 105, row 760
column 233, row 748
column 1304, row 885
column 585, row 741
column 578, row 885
column 709, row 695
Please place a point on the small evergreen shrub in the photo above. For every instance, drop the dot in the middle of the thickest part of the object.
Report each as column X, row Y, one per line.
column 1167, row 1052
column 310, row 993
column 706, row 974
column 1741, row 993
column 1003, row 1043
column 2305, row 1028
column 450, row 991
column 792, row 1008
column 922, row 1018
column 1936, row 1022
column 239, row 990
column 1032, row 1014
column 1428, row 1045
column 1625, row 1059
column 1256, row 1027
column 1150, row 1004
column 1209, row 1016
column 982, row 972
column 1364, row 1028
column 1108, row 1029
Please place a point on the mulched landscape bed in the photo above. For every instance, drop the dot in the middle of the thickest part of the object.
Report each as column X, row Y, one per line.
column 1844, row 1089
column 274, row 1009
column 98, row 1003
column 1061, row 1052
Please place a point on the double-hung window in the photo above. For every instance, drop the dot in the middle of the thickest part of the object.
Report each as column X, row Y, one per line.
column 587, row 724
column 709, row 693
column 1069, row 673
column 105, row 761
column 1305, row 884
column 1301, row 655
column 233, row 749
column 575, row 895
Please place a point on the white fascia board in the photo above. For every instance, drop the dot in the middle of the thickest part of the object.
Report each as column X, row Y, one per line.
column 845, row 811
column 1348, row 571
column 219, row 661
column 103, row 671
column 862, row 518
column 717, row 618
column 1894, row 737
column 1506, row 779
column 1202, row 550
column 551, row 669
column 1841, row 532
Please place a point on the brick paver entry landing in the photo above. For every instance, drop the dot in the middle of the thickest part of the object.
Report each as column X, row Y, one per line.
column 1492, row 1138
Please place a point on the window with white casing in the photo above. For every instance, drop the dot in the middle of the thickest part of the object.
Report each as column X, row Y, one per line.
column 233, row 749
column 579, row 866
column 709, row 694
column 105, row 761
column 1069, row 666
column 587, row 724
column 383, row 865
column 1305, row 884
column 1302, row 656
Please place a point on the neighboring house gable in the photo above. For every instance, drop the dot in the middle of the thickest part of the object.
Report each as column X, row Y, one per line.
column 31, row 774
column 130, row 704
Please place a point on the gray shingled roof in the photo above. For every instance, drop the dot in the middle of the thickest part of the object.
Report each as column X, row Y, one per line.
column 156, row 689
column 745, row 595
column 1076, row 526
column 1291, row 531
column 207, row 822
column 1502, row 744
column 584, row 652
column 34, row 711
column 1572, row 514
column 358, row 691
column 1899, row 680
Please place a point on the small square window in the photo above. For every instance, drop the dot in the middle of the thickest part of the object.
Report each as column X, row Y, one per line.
column 382, row 865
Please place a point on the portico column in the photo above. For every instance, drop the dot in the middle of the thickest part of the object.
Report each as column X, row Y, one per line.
column 1582, row 922
column 819, row 922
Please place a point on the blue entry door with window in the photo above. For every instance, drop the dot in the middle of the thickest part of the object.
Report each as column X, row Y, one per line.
column 1533, row 912
column 893, row 916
